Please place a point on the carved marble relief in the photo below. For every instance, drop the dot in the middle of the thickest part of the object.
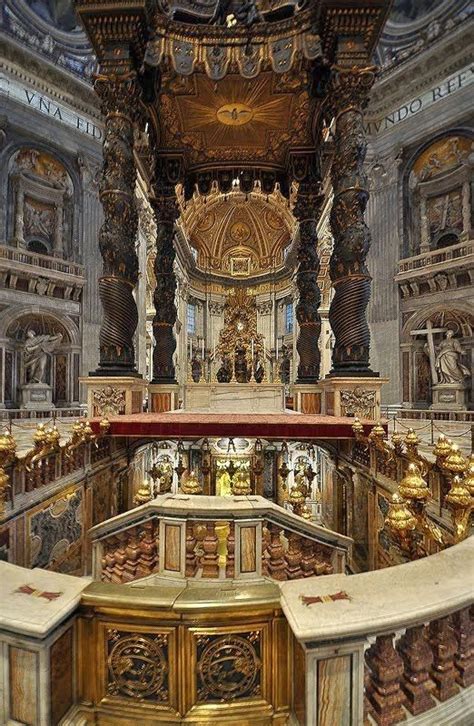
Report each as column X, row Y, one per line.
column 42, row 203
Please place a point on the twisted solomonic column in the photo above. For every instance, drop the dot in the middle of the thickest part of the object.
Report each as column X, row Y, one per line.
column 166, row 213
column 119, row 95
column 307, row 210
column 349, row 92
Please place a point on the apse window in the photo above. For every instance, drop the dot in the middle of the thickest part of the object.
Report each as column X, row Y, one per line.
column 191, row 319
column 289, row 317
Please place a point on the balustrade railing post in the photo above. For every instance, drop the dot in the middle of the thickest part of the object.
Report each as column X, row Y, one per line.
column 148, row 558
column 132, row 549
column 120, row 557
column 444, row 646
column 191, row 558
column 276, row 561
column 383, row 683
column 464, row 658
column 307, row 559
column 210, row 560
column 230, row 559
column 293, row 556
column 417, row 658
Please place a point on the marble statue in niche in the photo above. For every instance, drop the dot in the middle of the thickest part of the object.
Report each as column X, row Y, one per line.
column 35, row 354
column 447, row 363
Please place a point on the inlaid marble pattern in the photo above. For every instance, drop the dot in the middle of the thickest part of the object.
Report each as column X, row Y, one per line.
column 55, row 530
column 248, row 549
column 334, row 691
column 23, row 686
column 61, row 667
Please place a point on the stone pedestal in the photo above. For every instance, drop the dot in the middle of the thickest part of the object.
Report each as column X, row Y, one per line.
column 352, row 396
column 37, row 396
column 163, row 397
column 449, row 397
column 114, row 395
column 307, row 398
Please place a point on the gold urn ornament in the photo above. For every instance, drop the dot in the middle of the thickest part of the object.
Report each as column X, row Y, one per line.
column 143, row 495
column 411, row 439
column 469, row 475
column 190, row 484
column 455, row 462
column 459, row 495
column 442, row 447
column 413, row 486
column 241, row 484
column 399, row 518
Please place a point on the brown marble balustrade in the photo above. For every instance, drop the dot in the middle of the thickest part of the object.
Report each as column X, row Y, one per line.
column 235, row 543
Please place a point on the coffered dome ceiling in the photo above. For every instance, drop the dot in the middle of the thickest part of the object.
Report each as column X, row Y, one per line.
column 239, row 235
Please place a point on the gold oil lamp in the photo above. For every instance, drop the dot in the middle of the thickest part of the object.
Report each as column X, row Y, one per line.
column 454, row 462
column 191, row 484
column 143, row 495
column 241, row 484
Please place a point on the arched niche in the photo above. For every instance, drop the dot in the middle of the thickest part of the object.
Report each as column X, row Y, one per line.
column 438, row 194
column 63, row 365
column 416, row 363
column 41, row 190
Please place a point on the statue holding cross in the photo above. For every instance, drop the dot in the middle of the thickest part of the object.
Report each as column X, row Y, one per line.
column 445, row 363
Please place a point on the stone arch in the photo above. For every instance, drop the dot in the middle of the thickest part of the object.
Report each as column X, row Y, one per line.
column 63, row 364
column 418, row 358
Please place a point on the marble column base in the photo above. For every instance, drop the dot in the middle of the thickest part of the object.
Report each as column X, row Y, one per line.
column 37, row 396
column 449, row 397
column 307, row 398
column 163, row 397
column 352, row 396
column 114, row 395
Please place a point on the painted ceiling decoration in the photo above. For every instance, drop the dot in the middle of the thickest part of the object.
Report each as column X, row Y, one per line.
column 236, row 119
column 238, row 234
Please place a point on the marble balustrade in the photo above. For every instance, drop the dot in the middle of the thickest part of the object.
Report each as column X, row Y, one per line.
column 179, row 535
column 385, row 647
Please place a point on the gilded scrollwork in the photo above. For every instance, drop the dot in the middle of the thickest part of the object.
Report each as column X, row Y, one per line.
column 229, row 666
column 358, row 402
column 108, row 401
column 138, row 665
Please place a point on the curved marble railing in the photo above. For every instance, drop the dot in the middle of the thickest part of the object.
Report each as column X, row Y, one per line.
column 385, row 646
column 379, row 647
column 179, row 535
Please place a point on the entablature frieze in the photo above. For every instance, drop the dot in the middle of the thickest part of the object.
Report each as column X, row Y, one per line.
column 437, row 271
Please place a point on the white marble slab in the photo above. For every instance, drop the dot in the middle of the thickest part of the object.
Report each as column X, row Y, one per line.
column 33, row 614
column 235, row 397
column 384, row 600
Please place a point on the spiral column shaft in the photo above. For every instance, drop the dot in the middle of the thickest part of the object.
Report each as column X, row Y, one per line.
column 119, row 95
column 307, row 210
column 349, row 92
column 166, row 212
